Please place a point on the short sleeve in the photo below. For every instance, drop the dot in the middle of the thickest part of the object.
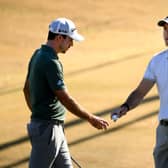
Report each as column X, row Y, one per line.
column 54, row 75
column 149, row 73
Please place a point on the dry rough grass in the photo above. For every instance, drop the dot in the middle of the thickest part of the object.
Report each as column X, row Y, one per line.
column 121, row 37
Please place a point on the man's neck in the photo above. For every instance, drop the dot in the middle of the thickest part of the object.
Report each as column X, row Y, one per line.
column 52, row 44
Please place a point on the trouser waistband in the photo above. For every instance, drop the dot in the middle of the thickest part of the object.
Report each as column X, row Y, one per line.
column 54, row 122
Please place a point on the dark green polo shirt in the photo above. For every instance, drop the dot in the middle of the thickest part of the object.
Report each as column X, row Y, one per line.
column 45, row 75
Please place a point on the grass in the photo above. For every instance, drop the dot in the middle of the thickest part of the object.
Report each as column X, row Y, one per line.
column 121, row 37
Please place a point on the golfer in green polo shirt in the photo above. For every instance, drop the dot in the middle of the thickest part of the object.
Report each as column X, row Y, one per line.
column 47, row 97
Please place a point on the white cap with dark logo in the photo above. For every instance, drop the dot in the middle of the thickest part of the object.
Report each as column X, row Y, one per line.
column 163, row 21
column 65, row 26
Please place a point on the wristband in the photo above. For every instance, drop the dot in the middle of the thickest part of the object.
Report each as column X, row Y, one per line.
column 126, row 105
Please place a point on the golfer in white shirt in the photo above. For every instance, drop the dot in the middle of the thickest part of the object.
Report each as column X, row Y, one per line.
column 156, row 73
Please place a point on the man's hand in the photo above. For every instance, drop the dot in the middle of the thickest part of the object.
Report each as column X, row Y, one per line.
column 98, row 122
column 119, row 112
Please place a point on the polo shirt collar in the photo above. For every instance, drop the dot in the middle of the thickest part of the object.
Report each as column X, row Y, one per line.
column 49, row 49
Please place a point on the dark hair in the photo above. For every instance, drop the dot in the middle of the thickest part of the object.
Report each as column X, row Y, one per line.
column 51, row 35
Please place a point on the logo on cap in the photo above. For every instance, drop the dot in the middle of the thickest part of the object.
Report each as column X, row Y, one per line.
column 66, row 27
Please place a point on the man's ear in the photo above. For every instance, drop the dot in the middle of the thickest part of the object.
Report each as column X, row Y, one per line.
column 58, row 37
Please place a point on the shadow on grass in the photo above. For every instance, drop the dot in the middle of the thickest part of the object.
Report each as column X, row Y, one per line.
column 17, row 163
column 7, row 145
column 103, row 65
column 4, row 91
column 117, row 128
column 69, row 124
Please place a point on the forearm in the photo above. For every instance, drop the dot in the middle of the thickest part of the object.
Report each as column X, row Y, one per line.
column 76, row 108
column 134, row 99
column 139, row 93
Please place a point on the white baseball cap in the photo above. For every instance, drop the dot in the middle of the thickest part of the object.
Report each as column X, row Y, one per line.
column 65, row 26
column 163, row 21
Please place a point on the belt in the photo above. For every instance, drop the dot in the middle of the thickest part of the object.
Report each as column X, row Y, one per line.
column 54, row 122
column 164, row 122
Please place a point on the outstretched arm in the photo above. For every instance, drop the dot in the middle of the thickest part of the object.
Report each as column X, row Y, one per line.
column 74, row 107
column 135, row 97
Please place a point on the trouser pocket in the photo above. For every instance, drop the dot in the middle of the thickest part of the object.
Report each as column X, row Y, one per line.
column 39, row 132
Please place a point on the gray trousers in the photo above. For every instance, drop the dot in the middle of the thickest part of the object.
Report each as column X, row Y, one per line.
column 161, row 148
column 49, row 146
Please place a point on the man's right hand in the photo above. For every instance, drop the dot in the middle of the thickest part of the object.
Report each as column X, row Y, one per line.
column 98, row 122
column 120, row 111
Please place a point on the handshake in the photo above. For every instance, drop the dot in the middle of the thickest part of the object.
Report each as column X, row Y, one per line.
column 122, row 110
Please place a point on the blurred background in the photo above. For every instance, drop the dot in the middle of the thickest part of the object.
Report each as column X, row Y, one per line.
column 120, row 39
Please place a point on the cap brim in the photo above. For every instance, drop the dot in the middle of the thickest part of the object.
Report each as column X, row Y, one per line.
column 76, row 36
column 162, row 22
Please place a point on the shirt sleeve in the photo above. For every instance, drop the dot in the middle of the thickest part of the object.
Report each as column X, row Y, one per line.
column 149, row 73
column 54, row 75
